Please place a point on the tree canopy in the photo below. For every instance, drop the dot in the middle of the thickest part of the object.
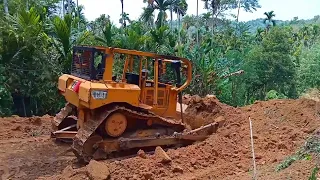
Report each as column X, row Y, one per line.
column 276, row 58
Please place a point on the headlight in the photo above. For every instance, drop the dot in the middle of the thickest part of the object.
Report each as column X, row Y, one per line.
column 96, row 94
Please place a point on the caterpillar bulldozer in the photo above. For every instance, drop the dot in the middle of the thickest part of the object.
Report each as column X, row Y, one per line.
column 107, row 114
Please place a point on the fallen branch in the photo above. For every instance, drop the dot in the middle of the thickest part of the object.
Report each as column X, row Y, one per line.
column 233, row 74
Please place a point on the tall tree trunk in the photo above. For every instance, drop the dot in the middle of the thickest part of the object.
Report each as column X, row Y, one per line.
column 69, row 6
column 247, row 97
column 179, row 28
column 78, row 15
column 36, row 107
column 198, row 22
column 6, row 9
column 63, row 9
column 239, row 1
column 122, row 11
column 23, row 106
column 212, row 27
column 233, row 92
column 233, row 85
column 27, row 5
column 171, row 16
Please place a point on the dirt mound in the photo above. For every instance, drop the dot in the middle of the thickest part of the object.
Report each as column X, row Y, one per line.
column 19, row 127
column 280, row 127
column 26, row 150
column 203, row 111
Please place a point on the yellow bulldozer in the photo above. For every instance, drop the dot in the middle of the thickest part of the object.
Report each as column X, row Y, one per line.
column 107, row 115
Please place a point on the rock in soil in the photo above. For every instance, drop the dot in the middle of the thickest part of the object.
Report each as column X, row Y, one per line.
column 148, row 176
column 162, row 155
column 98, row 170
column 177, row 169
column 142, row 154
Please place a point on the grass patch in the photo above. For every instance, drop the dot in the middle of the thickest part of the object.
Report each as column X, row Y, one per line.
column 314, row 173
column 311, row 146
column 286, row 163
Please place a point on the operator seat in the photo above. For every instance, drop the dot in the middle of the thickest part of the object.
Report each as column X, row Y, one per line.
column 132, row 78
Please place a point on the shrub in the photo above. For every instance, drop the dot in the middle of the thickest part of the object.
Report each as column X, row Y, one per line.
column 275, row 95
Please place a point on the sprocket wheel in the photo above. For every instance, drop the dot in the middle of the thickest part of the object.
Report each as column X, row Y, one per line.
column 116, row 124
column 89, row 148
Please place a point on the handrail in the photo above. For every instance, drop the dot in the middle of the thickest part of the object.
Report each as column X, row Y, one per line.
column 165, row 57
column 168, row 58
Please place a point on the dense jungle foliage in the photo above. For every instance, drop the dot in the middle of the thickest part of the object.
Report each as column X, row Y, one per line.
column 280, row 59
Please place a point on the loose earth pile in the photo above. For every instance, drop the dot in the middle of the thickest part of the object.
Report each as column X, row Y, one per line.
column 280, row 127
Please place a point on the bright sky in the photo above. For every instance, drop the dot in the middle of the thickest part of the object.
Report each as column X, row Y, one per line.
column 284, row 9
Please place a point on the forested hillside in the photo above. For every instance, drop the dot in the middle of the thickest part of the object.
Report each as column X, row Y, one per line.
column 280, row 59
column 296, row 23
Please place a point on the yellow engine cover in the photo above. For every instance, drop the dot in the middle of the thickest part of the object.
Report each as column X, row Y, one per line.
column 93, row 95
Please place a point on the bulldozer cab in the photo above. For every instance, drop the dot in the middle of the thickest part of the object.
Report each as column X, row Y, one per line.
column 88, row 63
column 158, row 83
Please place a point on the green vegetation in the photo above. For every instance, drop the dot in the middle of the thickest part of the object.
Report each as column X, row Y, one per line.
column 310, row 149
column 314, row 173
column 280, row 59
column 274, row 95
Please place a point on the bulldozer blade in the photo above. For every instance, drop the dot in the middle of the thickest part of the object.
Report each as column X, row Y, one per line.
column 207, row 129
column 63, row 134
column 131, row 143
column 193, row 137
column 64, row 112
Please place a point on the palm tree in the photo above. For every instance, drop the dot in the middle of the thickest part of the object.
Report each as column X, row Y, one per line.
column 198, row 22
column 188, row 21
column 206, row 19
column 269, row 20
column 171, row 12
column 181, row 10
column 6, row 9
column 78, row 12
column 124, row 19
column 97, row 26
column 315, row 31
column 24, row 35
column 259, row 34
column 107, row 34
column 162, row 6
column 122, row 14
column 212, row 5
column 305, row 34
column 63, row 9
column 239, row 1
column 69, row 8
column 66, row 38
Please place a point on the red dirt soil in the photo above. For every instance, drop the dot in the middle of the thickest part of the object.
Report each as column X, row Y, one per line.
column 280, row 127
column 26, row 150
